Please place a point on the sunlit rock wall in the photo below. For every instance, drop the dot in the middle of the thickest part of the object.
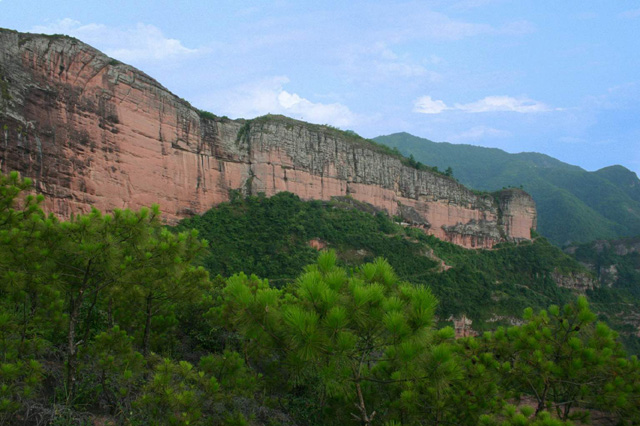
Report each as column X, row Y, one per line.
column 91, row 131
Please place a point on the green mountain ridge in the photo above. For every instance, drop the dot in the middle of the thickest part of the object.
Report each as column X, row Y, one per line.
column 574, row 205
column 624, row 178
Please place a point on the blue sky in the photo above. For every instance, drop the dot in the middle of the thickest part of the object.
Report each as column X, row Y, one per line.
column 557, row 77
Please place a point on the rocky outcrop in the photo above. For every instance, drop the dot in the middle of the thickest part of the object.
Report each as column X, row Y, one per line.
column 608, row 275
column 620, row 247
column 578, row 282
column 92, row 131
column 610, row 260
column 462, row 327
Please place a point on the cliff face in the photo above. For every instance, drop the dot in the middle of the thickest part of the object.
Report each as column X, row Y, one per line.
column 94, row 132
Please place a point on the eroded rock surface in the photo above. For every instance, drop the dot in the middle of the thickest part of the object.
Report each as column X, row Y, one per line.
column 92, row 131
column 579, row 282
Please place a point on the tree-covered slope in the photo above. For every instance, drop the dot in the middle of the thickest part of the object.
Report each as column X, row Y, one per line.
column 273, row 237
column 623, row 178
column 573, row 205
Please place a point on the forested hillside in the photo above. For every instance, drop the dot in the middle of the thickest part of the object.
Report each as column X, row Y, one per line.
column 275, row 237
column 573, row 205
column 108, row 319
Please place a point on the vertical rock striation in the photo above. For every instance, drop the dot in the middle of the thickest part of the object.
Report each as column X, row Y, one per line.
column 91, row 131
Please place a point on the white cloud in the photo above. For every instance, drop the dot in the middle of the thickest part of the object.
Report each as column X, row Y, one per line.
column 142, row 43
column 268, row 96
column 478, row 133
column 426, row 105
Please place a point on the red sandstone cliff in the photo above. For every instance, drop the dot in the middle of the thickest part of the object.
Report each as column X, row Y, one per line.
column 91, row 131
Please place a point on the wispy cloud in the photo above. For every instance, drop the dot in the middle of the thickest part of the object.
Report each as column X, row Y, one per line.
column 142, row 43
column 427, row 105
column 503, row 103
column 428, row 24
column 378, row 62
column 630, row 14
column 584, row 16
column 269, row 96
column 402, row 69
column 478, row 133
column 516, row 28
column 473, row 4
column 571, row 140
column 617, row 97
column 420, row 22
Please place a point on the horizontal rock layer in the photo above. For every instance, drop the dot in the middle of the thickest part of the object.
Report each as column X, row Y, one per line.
column 91, row 131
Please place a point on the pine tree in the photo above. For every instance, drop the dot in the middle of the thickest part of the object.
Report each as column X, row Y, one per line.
column 565, row 359
column 346, row 336
column 127, row 253
column 29, row 309
column 162, row 281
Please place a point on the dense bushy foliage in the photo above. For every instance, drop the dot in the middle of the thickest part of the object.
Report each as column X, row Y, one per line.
column 104, row 319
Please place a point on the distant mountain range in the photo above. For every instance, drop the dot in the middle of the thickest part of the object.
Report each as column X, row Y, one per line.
column 574, row 205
